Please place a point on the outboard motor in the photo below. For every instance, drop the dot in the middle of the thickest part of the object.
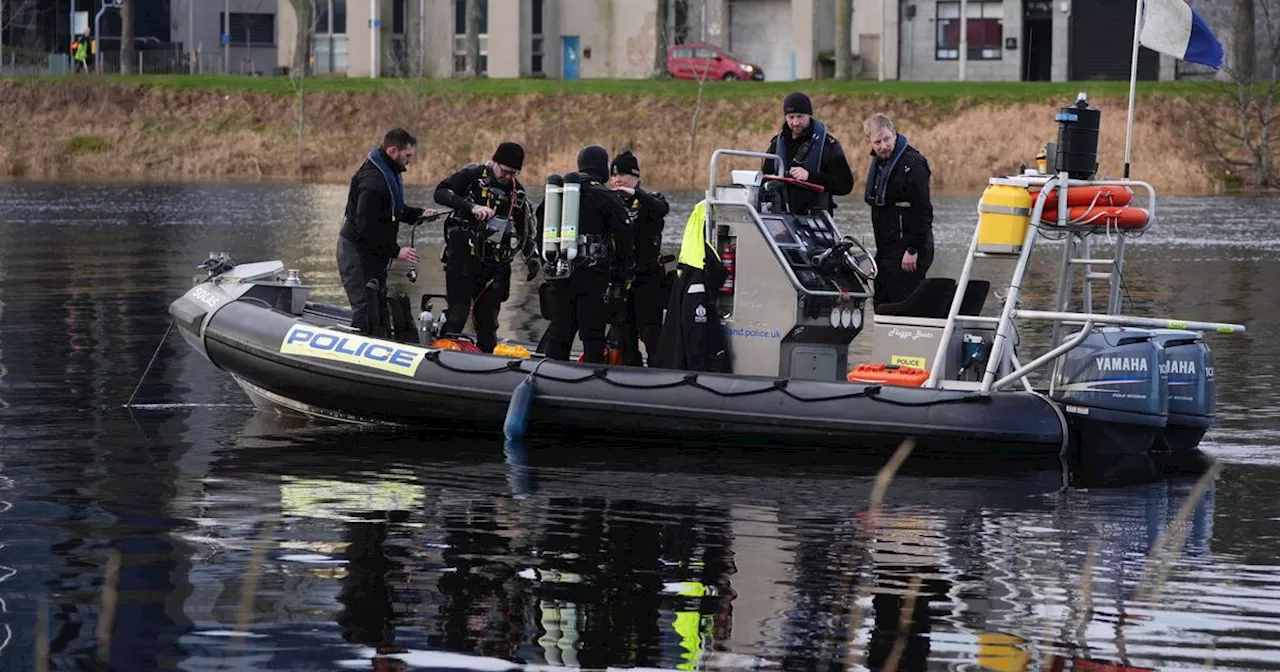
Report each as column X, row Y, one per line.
column 1189, row 368
column 1113, row 389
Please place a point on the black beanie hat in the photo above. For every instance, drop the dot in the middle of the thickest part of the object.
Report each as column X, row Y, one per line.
column 797, row 103
column 594, row 161
column 510, row 154
column 626, row 163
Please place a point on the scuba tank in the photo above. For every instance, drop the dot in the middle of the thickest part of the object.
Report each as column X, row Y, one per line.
column 551, row 218
column 569, row 216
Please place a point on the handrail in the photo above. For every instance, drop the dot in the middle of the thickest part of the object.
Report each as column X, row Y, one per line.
column 962, row 286
column 706, row 227
column 1022, row 371
column 1130, row 321
column 1011, row 299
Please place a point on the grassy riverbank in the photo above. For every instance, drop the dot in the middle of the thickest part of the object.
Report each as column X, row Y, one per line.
column 182, row 128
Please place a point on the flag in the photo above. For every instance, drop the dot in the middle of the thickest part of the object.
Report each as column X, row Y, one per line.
column 1171, row 27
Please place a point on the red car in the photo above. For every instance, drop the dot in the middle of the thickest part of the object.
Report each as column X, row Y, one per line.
column 688, row 61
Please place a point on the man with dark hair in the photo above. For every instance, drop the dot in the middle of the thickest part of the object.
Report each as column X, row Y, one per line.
column 606, row 251
column 647, row 211
column 491, row 221
column 810, row 154
column 369, row 239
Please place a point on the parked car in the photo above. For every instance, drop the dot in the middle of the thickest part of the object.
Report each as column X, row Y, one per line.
column 688, row 61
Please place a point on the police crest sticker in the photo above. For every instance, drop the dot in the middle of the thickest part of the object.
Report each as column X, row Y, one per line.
column 350, row 348
column 700, row 314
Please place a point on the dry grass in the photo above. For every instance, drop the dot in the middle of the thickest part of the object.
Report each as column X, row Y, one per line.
column 122, row 131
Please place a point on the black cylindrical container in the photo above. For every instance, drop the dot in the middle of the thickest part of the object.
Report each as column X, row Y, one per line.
column 1077, row 152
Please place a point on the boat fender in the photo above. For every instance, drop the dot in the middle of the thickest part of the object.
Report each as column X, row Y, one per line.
column 551, row 218
column 516, row 423
column 569, row 216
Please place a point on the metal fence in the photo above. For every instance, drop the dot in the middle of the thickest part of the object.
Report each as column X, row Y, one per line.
column 24, row 63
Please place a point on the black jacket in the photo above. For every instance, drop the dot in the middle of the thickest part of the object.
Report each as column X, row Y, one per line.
column 899, row 228
column 367, row 220
column 692, row 337
column 648, row 211
column 602, row 213
column 834, row 174
column 466, row 189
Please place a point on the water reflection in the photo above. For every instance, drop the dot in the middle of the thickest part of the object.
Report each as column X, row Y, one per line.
column 594, row 567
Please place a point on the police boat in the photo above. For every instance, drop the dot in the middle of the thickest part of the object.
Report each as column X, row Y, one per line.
column 941, row 371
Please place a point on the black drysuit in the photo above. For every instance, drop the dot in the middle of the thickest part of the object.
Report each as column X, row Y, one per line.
column 477, row 266
column 640, row 317
column 606, row 252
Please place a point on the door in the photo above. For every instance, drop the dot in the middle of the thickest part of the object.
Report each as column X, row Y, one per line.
column 760, row 33
column 1037, row 40
column 570, row 56
column 1101, row 42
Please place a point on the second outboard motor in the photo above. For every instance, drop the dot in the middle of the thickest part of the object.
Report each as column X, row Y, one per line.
column 1189, row 366
column 1113, row 390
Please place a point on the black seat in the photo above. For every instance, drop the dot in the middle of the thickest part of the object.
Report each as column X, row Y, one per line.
column 932, row 299
column 975, row 297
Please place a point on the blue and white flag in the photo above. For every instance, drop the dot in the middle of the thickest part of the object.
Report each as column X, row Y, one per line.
column 1171, row 27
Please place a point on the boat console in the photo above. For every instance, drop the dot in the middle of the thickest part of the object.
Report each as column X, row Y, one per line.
column 796, row 289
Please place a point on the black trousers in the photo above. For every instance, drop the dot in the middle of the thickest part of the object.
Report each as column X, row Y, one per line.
column 357, row 266
column 578, row 307
column 640, row 320
column 892, row 284
column 477, row 289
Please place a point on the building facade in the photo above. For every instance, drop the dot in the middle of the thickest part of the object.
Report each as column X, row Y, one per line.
column 1010, row 40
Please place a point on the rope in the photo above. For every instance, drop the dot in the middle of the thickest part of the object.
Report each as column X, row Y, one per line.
column 153, row 361
column 691, row 379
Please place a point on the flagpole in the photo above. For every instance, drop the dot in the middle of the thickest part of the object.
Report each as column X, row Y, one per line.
column 1133, row 87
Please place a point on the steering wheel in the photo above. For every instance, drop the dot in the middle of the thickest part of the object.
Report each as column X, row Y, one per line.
column 793, row 181
column 859, row 259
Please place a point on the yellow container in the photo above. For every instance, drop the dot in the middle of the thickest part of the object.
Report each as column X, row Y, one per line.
column 511, row 350
column 1004, row 215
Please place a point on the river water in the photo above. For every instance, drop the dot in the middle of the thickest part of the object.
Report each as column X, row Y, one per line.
column 192, row 532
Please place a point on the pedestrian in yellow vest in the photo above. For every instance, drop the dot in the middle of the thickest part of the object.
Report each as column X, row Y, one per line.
column 80, row 52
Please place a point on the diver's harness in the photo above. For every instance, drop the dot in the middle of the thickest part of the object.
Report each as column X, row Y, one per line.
column 594, row 249
column 496, row 241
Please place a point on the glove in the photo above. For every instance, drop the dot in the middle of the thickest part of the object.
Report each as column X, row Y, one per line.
column 534, row 266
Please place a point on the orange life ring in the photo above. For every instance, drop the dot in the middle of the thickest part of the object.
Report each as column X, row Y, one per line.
column 1100, row 216
column 1109, row 194
column 455, row 344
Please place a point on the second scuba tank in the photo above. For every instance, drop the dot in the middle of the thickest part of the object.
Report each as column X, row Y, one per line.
column 551, row 218
column 569, row 216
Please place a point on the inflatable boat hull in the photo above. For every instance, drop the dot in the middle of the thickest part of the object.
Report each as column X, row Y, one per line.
column 306, row 364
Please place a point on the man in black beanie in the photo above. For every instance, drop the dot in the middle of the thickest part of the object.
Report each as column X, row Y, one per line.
column 491, row 221
column 606, row 252
column 809, row 154
column 646, row 210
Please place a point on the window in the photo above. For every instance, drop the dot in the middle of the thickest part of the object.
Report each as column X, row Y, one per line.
column 339, row 14
column 985, row 30
column 330, row 48
column 536, row 37
column 397, row 17
column 250, row 29
column 460, row 36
